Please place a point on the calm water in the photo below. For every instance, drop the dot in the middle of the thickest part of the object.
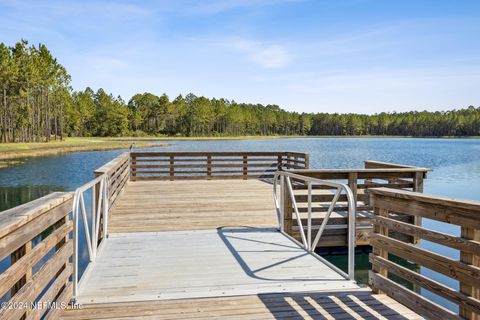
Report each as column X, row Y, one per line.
column 455, row 164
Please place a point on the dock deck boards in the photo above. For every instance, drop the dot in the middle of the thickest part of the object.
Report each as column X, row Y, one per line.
column 292, row 306
column 209, row 249
column 206, row 263
column 193, row 205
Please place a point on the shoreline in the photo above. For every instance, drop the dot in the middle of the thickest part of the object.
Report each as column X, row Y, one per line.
column 168, row 138
column 12, row 153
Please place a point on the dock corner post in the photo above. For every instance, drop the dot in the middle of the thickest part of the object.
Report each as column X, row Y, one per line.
column 474, row 260
column 379, row 251
column 172, row 167
column 352, row 184
column 279, row 163
column 245, row 167
column 287, row 210
column 307, row 161
column 133, row 165
column 209, row 167
column 417, row 187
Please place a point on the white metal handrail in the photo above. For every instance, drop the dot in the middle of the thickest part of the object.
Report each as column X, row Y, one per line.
column 284, row 178
column 99, row 209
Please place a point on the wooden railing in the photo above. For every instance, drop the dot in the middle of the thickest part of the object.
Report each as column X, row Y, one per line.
column 118, row 173
column 212, row 165
column 35, row 238
column 374, row 175
column 465, row 214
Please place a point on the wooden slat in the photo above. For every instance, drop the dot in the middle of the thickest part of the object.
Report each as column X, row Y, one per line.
column 431, row 285
column 310, row 305
column 64, row 298
column 14, row 218
column 430, row 235
column 411, row 299
column 13, row 274
column 51, row 294
column 39, row 281
column 450, row 210
column 447, row 266
column 27, row 232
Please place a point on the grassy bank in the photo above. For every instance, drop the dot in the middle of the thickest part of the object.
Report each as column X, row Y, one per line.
column 10, row 151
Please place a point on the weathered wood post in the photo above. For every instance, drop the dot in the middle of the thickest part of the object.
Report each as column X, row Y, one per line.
column 172, row 168
column 307, row 161
column 279, row 163
column 245, row 166
column 474, row 260
column 133, row 164
column 287, row 210
column 209, row 167
column 379, row 251
column 417, row 187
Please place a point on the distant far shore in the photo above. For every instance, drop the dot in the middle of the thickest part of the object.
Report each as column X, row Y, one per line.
column 11, row 151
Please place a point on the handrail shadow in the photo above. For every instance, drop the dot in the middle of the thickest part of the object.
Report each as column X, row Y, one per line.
column 336, row 305
column 225, row 237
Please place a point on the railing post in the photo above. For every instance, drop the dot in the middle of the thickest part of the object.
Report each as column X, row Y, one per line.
column 209, row 167
column 245, row 167
column 279, row 163
column 378, row 251
column 287, row 209
column 352, row 184
column 474, row 260
column 307, row 161
column 417, row 187
column 172, row 167
column 133, row 170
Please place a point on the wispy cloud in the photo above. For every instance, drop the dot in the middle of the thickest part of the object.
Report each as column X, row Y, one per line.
column 266, row 55
column 219, row 6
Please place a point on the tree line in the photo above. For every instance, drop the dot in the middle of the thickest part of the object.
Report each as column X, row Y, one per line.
column 37, row 103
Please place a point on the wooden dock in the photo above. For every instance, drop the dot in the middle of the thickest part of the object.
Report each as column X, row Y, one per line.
column 204, row 235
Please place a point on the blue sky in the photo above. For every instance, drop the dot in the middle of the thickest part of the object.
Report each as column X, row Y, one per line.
column 362, row 56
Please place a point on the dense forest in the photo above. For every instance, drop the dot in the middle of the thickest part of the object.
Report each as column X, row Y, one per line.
column 37, row 103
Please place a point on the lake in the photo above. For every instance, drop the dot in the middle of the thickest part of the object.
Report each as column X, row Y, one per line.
column 455, row 164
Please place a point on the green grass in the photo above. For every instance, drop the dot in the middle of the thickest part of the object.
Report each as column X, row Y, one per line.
column 32, row 149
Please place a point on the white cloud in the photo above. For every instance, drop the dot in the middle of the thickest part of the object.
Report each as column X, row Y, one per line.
column 269, row 56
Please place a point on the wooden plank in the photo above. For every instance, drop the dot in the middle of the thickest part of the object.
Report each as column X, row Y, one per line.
column 14, row 218
column 26, row 232
column 49, row 297
column 411, row 299
column 63, row 299
column 39, row 281
column 14, row 273
column 471, row 258
column 266, row 306
column 431, row 285
column 447, row 266
column 439, row 212
column 181, row 205
column 460, row 243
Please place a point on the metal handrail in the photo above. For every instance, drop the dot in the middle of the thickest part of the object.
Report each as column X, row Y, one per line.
column 99, row 209
column 284, row 178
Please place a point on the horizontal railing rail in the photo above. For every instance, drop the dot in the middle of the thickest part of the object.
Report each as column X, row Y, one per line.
column 117, row 172
column 466, row 270
column 36, row 247
column 287, row 210
column 212, row 165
